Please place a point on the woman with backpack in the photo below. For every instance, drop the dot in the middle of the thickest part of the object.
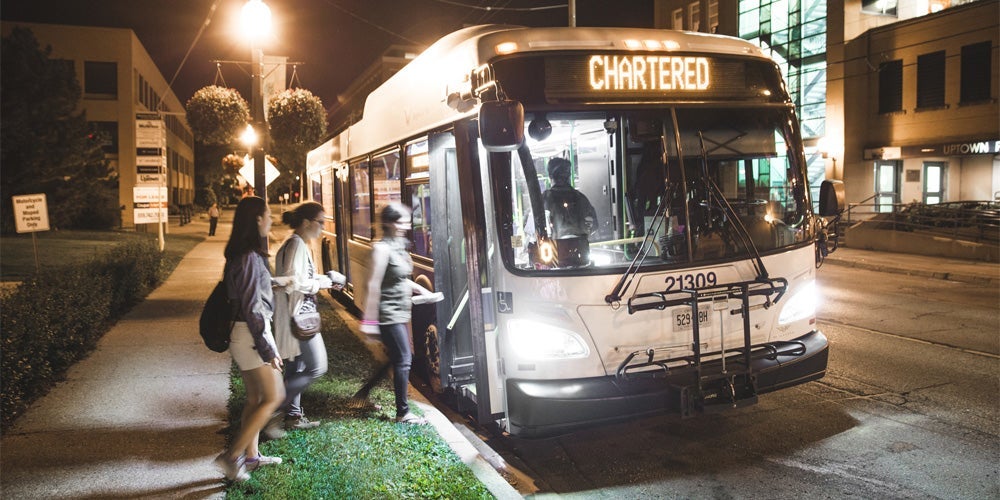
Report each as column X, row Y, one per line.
column 248, row 284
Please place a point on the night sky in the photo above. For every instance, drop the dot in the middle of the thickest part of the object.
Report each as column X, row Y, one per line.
column 334, row 39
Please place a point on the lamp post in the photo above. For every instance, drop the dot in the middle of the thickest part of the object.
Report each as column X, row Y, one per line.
column 256, row 24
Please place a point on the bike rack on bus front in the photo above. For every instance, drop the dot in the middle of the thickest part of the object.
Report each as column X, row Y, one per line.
column 724, row 389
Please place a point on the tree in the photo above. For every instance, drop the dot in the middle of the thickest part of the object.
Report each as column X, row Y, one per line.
column 217, row 115
column 46, row 145
column 297, row 120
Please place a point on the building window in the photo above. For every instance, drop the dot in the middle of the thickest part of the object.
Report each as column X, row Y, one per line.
column 678, row 19
column 713, row 16
column 976, row 71
column 694, row 16
column 100, row 79
column 890, row 86
column 879, row 7
column 930, row 80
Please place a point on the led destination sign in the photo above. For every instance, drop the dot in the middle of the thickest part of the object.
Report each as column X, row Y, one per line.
column 651, row 77
column 649, row 72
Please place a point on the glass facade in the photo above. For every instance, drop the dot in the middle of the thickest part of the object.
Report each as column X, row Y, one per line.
column 793, row 32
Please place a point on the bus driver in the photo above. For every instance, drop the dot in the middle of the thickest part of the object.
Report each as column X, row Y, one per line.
column 570, row 212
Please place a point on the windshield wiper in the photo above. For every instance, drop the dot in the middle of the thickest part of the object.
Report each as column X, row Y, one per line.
column 741, row 230
column 625, row 280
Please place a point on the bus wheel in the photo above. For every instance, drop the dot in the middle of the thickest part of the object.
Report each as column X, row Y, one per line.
column 433, row 358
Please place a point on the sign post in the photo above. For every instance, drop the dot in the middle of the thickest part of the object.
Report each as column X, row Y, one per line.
column 31, row 214
column 151, row 159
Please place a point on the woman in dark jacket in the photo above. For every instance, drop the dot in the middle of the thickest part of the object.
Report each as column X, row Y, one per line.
column 248, row 283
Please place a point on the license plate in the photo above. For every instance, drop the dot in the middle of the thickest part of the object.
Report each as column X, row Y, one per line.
column 683, row 319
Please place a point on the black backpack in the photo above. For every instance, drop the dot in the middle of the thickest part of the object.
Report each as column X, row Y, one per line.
column 217, row 318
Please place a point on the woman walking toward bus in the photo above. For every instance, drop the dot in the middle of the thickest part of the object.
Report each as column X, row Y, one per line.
column 389, row 301
column 305, row 359
column 248, row 284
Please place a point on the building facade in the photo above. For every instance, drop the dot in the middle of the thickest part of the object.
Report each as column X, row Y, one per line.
column 120, row 82
column 920, row 113
column 898, row 99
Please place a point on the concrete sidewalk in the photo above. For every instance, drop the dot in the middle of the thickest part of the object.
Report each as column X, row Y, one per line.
column 983, row 273
column 142, row 416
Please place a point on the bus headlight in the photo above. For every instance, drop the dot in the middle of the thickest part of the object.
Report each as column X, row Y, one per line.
column 802, row 305
column 538, row 341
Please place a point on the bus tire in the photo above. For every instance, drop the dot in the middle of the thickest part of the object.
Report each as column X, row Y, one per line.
column 432, row 359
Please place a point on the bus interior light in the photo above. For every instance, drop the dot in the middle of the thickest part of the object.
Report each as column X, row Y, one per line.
column 532, row 340
column 800, row 306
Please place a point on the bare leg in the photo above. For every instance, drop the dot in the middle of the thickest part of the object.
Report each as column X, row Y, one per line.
column 265, row 391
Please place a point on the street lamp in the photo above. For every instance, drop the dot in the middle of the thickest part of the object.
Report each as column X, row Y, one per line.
column 256, row 25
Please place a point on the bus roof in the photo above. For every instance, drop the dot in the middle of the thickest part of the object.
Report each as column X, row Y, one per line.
column 415, row 99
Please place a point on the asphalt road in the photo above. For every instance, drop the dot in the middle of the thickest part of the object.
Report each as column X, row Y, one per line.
column 909, row 409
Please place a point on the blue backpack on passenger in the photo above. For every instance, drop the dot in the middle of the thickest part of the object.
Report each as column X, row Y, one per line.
column 217, row 318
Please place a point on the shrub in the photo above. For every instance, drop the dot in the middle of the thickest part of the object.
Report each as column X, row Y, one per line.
column 56, row 318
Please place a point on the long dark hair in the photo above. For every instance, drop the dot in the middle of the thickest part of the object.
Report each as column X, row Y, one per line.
column 307, row 210
column 245, row 237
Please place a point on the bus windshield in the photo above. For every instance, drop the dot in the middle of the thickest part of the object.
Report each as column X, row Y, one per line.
column 665, row 187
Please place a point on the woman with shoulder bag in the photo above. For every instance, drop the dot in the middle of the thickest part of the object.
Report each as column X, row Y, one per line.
column 248, row 284
column 296, row 320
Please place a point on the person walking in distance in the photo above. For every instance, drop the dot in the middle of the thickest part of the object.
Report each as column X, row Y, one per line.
column 248, row 284
column 389, row 301
column 213, row 218
column 305, row 359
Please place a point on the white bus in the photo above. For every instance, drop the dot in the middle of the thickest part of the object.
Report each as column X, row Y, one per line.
column 687, row 284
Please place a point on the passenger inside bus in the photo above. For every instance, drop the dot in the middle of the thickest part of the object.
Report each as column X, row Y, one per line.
column 570, row 212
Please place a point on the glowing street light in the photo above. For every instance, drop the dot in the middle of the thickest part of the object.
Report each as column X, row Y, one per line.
column 255, row 20
column 249, row 137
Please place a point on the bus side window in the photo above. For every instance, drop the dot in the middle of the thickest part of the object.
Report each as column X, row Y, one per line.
column 420, row 200
column 418, row 196
column 361, row 218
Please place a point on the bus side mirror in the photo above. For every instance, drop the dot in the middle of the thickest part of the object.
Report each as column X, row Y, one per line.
column 501, row 125
column 831, row 198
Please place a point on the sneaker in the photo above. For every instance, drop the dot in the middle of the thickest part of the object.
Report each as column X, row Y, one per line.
column 253, row 464
column 275, row 428
column 234, row 470
column 410, row 418
column 300, row 423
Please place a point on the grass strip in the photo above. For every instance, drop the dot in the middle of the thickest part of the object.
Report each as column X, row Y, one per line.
column 354, row 453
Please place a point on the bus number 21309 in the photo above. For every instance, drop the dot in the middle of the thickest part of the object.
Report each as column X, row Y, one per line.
column 691, row 281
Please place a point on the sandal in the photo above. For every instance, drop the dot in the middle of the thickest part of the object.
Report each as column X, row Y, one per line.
column 410, row 418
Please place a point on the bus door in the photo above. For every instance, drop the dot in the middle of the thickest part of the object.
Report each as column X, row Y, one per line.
column 459, row 252
column 342, row 230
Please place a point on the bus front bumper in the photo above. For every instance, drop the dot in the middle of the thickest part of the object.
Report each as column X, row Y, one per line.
column 537, row 408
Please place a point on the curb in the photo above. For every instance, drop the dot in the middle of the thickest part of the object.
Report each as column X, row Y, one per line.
column 927, row 273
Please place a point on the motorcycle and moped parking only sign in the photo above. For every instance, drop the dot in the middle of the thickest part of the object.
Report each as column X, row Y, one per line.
column 31, row 213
